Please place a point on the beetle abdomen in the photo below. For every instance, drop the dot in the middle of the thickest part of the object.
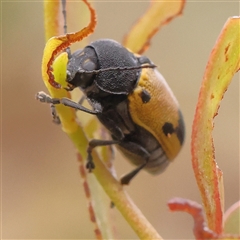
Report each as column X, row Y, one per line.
column 157, row 159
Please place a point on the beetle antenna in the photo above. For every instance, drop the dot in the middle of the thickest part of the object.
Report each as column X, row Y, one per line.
column 119, row 69
column 64, row 12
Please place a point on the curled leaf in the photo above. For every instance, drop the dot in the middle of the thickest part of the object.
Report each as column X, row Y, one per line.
column 57, row 44
column 222, row 65
column 200, row 229
column 67, row 115
column 158, row 14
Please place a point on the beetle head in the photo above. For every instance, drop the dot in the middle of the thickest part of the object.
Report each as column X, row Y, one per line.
column 80, row 68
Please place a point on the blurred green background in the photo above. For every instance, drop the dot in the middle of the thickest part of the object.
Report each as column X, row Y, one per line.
column 42, row 193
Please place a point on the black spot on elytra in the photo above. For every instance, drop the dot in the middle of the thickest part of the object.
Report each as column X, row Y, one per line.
column 145, row 95
column 168, row 128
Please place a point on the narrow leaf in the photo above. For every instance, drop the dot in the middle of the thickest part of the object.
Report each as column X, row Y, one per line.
column 222, row 65
column 51, row 18
column 158, row 14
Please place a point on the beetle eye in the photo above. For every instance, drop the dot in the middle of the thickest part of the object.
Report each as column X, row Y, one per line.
column 81, row 79
column 88, row 65
column 80, row 67
column 84, row 77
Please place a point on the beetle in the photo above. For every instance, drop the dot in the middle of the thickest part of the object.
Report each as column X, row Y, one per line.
column 131, row 99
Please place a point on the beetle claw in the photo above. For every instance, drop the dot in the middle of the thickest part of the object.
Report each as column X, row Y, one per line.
column 90, row 164
column 55, row 116
column 42, row 97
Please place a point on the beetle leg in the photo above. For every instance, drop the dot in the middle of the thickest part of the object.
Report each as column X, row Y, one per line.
column 81, row 100
column 43, row 97
column 55, row 116
column 116, row 133
column 139, row 151
column 96, row 143
column 129, row 176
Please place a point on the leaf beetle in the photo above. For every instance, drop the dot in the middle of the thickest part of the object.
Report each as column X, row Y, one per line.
column 132, row 100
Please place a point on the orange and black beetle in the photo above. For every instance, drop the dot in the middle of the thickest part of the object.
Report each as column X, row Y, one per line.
column 132, row 100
